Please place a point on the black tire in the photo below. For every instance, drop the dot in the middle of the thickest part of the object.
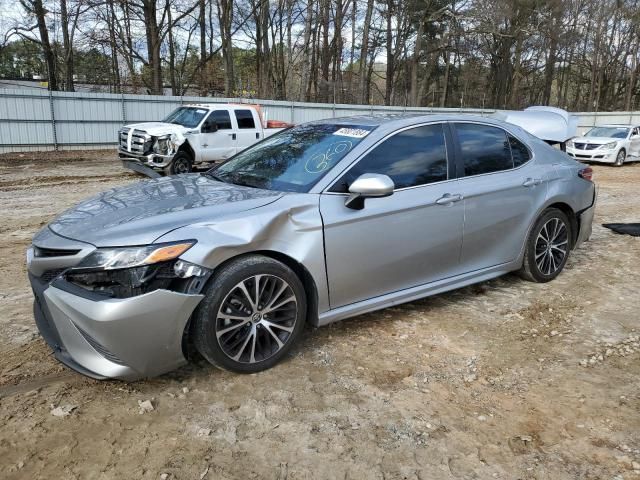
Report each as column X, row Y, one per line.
column 181, row 163
column 224, row 290
column 537, row 265
column 620, row 158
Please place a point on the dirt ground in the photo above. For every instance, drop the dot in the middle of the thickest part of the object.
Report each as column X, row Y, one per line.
column 505, row 379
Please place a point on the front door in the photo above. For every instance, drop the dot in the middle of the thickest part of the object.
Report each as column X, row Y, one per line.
column 220, row 145
column 408, row 239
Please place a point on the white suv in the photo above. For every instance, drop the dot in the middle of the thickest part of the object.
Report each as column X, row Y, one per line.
column 614, row 144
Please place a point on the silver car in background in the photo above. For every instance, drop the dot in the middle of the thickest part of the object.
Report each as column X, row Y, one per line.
column 318, row 223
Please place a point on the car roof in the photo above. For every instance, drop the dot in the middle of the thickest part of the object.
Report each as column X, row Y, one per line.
column 396, row 120
column 626, row 125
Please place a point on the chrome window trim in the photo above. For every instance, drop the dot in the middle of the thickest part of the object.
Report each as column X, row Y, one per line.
column 385, row 138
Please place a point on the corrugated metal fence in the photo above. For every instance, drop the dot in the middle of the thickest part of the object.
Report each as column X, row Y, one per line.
column 40, row 120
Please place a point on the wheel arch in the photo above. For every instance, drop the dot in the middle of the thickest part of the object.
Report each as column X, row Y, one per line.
column 308, row 282
column 186, row 147
column 571, row 215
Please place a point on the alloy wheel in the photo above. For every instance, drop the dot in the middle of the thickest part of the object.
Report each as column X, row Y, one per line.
column 256, row 318
column 551, row 246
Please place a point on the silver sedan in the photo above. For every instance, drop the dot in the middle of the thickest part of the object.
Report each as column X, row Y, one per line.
column 318, row 223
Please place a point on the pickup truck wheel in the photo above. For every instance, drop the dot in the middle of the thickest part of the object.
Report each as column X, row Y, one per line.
column 182, row 163
column 253, row 313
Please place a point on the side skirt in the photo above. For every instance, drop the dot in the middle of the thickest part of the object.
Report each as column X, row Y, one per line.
column 415, row 293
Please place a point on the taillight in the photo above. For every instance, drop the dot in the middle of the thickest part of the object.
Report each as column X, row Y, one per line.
column 586, row 173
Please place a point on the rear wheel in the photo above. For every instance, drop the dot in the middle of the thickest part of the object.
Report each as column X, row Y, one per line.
column 548, row 247
column 620, row 158
column 253, row 313
column 181, row 163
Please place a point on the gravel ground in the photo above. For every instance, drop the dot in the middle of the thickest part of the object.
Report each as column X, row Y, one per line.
column 505, row 379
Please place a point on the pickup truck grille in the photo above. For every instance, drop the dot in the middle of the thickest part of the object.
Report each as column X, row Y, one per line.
column 140, row 141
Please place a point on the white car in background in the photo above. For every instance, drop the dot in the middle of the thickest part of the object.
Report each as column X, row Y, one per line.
column 614, row 144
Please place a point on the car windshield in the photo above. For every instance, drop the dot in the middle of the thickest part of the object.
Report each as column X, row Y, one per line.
column 294, row 159
column 611, row 132
column 189, row 117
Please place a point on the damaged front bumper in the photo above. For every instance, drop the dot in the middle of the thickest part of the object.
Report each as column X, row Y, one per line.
column 100, row 337
column 151, row 160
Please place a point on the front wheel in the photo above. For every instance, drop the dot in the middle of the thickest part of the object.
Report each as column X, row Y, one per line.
column 548, row 247
column 181, row 163
column 620, row 158
column 253, row 313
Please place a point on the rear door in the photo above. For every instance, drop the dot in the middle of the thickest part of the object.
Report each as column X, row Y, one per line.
column 502, row 188
column 410, row 238
column 219, row 145
column 249, row 128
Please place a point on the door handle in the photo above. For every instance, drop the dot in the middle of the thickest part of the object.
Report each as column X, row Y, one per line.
column 531, row 182
column 448, row 199
column 233, row 136
column 205, row 145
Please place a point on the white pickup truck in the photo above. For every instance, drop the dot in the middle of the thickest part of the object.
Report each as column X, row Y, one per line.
column 192, row 135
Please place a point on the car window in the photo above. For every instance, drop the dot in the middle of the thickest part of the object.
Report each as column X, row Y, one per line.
column 245, row 119
column 485, row 149
column 519, row 151
column 293, row 160
column 189, row 117
column 222, row 119
column 412, row 157
column 609, row 132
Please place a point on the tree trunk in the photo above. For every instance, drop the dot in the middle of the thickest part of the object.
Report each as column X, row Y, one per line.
column 390, row 72
column 47, row 51
column 364, row 52
column 67, row 47
column 203, row 46
column 415, row 66
column 225, row 18
column 153, row 46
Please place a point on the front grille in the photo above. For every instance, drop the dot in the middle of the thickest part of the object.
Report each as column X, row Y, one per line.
column 112, row 357
column 52, row 252
column 51, row 275
column 141, row 141
column 585, row 146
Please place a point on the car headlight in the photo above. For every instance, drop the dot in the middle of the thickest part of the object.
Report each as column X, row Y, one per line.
column 132, row 271
column 127, row 257
column 609, row 146
column 164, row 145
column 570, row 144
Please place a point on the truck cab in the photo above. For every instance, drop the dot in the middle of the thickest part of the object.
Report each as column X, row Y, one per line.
column 191, row 136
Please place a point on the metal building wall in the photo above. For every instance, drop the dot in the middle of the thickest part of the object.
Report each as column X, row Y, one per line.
column 32, row 120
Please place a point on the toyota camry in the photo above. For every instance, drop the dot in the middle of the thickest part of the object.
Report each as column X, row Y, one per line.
column 321, row 222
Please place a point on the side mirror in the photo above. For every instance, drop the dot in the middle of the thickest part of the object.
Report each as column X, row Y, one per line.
column 209, row 126
column 634, row 137
column 368, row 185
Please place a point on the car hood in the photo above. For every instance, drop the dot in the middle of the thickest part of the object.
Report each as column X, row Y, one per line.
column 138, row 214
column 158, row 128
column 596, row 140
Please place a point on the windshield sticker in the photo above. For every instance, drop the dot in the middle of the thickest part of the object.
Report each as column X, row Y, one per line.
column 352, row 132
column 201, row 111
